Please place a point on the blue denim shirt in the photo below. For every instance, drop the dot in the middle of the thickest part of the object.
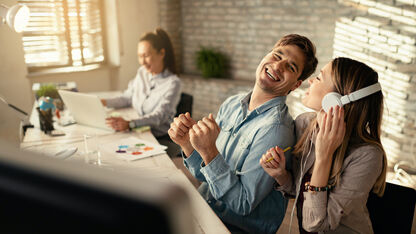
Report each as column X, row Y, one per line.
column 234, row 184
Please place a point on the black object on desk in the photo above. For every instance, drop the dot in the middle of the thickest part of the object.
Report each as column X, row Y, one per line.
column 45, row 120
column 81, row 199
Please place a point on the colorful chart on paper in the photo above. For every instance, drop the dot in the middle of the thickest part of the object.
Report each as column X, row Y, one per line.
column 133, row 148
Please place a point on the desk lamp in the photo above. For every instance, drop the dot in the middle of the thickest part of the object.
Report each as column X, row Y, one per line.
column 17, row 16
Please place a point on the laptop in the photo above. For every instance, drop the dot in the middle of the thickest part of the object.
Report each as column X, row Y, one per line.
column 86, row 109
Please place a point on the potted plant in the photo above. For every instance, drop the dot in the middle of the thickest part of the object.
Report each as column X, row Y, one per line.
column 211, row 63
column 50, row 91
column 47, row 90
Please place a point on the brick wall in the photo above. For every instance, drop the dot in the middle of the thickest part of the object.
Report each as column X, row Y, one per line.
column 385, row 39
column 380, row 33
column 245, row 30
column 209, row 94
column 170, row 17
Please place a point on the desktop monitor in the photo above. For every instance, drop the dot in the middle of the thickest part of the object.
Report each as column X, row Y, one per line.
column 43, row 195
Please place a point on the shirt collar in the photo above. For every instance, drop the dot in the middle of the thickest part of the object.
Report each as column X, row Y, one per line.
column 162, row 75
column 265, row 106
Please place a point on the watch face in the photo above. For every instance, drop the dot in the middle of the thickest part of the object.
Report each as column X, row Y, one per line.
column 132, row 124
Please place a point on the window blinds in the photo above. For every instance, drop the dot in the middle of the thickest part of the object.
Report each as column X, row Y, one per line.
column 63, row 33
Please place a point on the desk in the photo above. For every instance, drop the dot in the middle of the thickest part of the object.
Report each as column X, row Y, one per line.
column 205, row 220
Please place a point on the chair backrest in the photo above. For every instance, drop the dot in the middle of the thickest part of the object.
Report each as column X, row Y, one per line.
column 392, row 213
column 185, row 104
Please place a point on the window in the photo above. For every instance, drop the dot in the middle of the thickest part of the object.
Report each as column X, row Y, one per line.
column 63, row 33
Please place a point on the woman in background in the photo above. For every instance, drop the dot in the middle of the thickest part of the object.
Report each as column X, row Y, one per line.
column 155, row 91
column 338, row 158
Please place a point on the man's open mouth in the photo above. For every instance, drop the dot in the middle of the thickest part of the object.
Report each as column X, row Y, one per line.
column 271, row 76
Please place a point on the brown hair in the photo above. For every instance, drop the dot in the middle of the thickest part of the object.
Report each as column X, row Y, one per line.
column 363, row 117
column 160, row 40
column 308, row 49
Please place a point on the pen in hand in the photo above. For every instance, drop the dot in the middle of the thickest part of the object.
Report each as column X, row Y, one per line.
column 270, row 159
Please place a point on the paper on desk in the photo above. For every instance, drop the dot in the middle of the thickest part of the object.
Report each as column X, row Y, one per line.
column 132, row 148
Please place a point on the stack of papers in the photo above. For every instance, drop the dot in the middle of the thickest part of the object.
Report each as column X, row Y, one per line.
column 132, row 148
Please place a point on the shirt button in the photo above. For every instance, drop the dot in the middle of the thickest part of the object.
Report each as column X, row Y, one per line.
column 209, row 202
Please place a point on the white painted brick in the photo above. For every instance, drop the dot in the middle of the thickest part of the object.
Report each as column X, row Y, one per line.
column 394, row 42
column 399, row 75
column 404, row 19
column 406, row 68
column 408, row 37
column 368, row 3
column 410, row 2
column 379, row 12
column 387, row 8
column 378, row 38
column 349, row 28
column 408, row 53
column 372, row 20
column 409, row 13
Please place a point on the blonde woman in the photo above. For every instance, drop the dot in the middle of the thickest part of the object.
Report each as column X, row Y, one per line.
column 338, row 158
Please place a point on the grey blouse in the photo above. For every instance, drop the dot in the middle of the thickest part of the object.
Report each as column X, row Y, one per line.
column 343, row 209
column 154, row 97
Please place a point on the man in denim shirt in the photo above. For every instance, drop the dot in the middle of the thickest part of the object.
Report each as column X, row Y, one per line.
column 224, row 153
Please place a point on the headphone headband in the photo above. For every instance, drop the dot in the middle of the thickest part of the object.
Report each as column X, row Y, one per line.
column 361, row 93
column 335, row 99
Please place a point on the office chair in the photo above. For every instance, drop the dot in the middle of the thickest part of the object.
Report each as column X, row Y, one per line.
column 392, row 213
column 185, row 104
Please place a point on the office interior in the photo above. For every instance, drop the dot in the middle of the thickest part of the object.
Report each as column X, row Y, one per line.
column 380, row 33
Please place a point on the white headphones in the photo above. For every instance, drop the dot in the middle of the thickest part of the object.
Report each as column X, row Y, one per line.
column 335, row 99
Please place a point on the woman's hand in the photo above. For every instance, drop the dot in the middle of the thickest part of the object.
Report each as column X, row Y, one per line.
column 274, row 164
column 331, row 133
column 104, row 102
column 117, row 123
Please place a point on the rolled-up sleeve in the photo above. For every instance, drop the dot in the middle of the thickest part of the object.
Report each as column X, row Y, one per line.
column 125, row 99
column 322, row 211
column 243, row 190
column 193, row 164
column 287, row 189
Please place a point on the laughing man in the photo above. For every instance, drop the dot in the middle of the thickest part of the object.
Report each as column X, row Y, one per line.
column 224, row 153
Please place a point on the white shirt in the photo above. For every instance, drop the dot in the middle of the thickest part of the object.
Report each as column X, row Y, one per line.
column 154, row 97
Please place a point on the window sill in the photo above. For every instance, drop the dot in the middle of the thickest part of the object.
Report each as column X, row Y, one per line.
column 63, row 70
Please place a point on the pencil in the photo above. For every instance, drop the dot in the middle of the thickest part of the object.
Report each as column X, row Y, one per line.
column 270, row 159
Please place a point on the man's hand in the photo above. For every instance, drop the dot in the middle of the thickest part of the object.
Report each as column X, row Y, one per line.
column 203, row 136
column 117, row 123
column 179, row 132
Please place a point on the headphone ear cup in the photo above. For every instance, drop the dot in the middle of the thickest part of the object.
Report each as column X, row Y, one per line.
column 330, row 100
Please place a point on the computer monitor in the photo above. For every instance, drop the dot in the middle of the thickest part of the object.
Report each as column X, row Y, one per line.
column 42, row 195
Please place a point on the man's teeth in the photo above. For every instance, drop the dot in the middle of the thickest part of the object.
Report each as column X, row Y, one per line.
column 271, row 76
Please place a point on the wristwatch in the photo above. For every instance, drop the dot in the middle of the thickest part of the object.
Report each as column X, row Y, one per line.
column 132, row 125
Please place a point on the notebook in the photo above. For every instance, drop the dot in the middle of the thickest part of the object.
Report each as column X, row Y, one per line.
column 86, row 109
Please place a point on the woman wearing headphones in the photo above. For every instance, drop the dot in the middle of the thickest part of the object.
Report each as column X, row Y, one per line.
column 338, row 158
column 155, row 91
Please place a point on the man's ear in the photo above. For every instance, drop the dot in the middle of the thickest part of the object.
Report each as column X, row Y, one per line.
column 298, row 83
